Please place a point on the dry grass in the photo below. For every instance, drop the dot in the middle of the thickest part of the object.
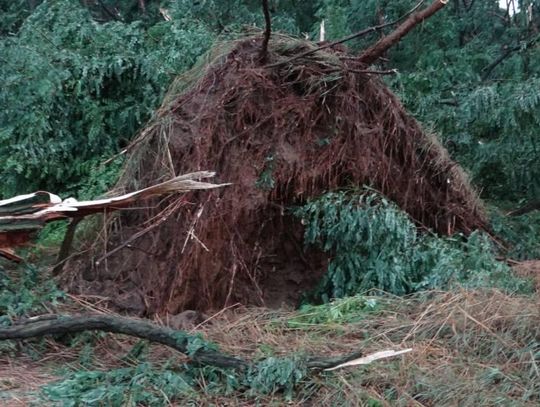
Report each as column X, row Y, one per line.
column 529, row 269
column 470, row 348
column 21, row 379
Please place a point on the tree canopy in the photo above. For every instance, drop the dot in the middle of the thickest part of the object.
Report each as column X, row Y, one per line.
column 80, row 78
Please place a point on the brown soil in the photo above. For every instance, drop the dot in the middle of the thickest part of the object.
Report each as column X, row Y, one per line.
column 281, row 136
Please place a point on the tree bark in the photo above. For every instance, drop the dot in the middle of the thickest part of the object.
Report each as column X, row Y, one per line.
column 373, row 53
column 179, row 340
column 65, row 248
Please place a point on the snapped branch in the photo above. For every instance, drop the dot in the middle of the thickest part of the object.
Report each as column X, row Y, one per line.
column 373, row 53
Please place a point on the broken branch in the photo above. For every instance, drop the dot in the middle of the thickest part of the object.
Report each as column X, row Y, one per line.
column 23, row 215
column 267, row 31
column 179, row 340
column 373, row 53
column 358, row 34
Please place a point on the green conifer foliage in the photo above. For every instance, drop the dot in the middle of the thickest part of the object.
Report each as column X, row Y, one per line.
column 75, row 90
column 472, row 73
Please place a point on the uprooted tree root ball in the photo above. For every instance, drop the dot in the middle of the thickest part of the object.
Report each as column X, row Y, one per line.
column 281, row 134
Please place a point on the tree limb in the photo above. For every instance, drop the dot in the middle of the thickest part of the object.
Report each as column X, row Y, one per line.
column 358, row 34
column 65, row 248
column 507, row 53
column 374, row 52
column 529, row 207
column 177, row 340
column 328, row 362
column 267, row 31
column 488, row 69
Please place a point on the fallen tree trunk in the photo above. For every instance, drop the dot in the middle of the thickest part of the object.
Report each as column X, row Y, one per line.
column 379, row 48
column 178, row 340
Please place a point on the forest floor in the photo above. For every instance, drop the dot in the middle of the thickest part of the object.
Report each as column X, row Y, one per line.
column 470, row 347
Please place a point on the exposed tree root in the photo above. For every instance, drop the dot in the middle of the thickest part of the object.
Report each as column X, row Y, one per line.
column 282, row 134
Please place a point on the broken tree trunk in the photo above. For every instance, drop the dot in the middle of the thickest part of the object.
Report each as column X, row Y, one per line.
column 65, row 248
column 373, row 53
column 23, row 215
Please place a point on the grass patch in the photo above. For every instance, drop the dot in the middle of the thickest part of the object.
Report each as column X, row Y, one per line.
column 470, row 347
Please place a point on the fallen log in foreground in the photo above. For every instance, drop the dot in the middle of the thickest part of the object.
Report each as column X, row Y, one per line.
column 200, row 351
column 62, row 324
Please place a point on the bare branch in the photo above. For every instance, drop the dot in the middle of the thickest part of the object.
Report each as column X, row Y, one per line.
column 61, row 324
column 267, row 31
column 374, row 52
column 358, row 34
